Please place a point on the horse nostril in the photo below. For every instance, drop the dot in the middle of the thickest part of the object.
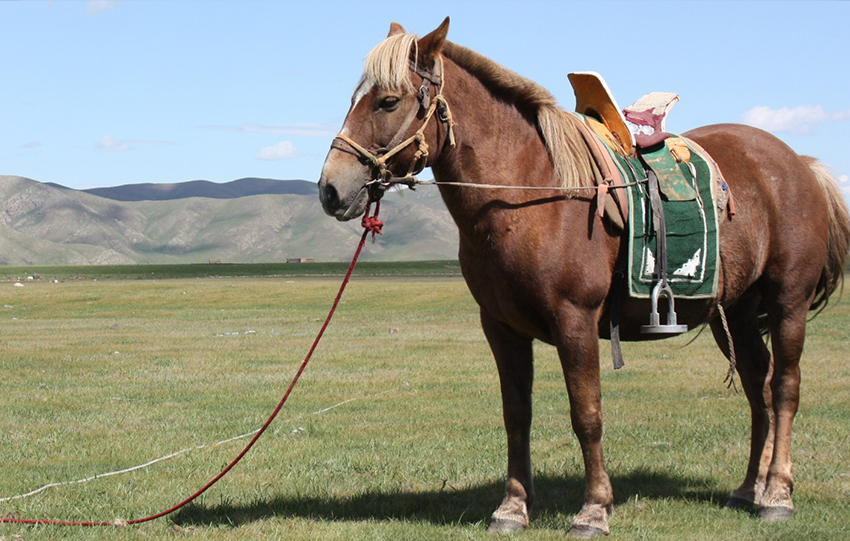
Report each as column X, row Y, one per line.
column 331, row 197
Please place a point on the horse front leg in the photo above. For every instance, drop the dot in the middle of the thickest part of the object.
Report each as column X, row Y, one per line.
column 514, row 360
column 578, row 349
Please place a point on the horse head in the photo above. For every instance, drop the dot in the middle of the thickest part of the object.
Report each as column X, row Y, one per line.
column 386, row 136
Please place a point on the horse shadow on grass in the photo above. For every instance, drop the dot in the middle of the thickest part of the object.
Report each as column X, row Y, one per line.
column 555, row 495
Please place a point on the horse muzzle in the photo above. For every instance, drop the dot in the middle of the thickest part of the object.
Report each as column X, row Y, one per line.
column 343, row 191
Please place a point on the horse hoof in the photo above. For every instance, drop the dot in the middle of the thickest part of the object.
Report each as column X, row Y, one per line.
column 774, row 514
column 736, row 502
column 505, row 526
column 585, row 532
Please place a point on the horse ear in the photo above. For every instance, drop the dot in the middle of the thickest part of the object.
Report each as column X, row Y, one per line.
column 396, row 28
column 432, row 45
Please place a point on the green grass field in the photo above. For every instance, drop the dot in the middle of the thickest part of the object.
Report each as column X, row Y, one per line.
column 389, row 435
column 226, row 270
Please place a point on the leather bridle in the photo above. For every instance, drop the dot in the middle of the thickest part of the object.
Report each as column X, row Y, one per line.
column 379, row 157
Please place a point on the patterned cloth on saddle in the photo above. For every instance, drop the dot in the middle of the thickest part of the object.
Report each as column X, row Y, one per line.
column 688, row 183
column 691, row 186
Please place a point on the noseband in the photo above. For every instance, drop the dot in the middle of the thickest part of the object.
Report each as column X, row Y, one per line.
column 379, row 157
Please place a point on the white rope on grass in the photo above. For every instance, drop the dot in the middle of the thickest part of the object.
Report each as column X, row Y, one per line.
column 174, row 454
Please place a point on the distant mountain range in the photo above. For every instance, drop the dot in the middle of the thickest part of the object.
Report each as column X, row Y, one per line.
column 243, row 187
column 247, row 220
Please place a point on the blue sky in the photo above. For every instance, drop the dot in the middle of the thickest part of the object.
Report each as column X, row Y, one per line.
column 104, row 93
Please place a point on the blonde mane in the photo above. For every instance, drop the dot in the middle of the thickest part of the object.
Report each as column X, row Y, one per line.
column 387, row 65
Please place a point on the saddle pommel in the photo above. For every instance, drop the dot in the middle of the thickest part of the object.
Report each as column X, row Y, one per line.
column 594, row 99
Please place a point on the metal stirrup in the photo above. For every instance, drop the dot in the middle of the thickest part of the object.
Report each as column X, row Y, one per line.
column 662, row 286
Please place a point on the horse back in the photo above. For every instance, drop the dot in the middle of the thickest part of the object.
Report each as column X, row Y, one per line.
column 777, row 238
column 780, row 228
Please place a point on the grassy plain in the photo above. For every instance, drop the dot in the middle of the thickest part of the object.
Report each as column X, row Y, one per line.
column 394, row 431
column 227, row 270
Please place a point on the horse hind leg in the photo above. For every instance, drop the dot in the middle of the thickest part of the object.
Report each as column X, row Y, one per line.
column 786, row 303
column 787, row 324
column 754, row 365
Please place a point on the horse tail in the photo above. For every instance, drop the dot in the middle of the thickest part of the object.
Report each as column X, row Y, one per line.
column 838, row 244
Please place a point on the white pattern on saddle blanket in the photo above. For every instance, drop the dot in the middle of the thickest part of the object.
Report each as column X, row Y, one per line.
column 690, row 267
column 650, row 262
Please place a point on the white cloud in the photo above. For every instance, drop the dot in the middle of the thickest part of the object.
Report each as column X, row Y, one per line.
column 93, row 7
column 796, row 120
column 111, row 144
column 296, row 129
column 281, row 151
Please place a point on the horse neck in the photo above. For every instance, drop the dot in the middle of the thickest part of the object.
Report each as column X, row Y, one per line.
column 496, row 143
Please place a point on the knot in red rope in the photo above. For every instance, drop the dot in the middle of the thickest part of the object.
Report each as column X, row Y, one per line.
column 371, row 223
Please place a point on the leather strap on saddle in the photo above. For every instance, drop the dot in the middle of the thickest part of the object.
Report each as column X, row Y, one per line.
column 614, row 208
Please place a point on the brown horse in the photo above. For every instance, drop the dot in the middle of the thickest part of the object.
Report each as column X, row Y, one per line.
column 540, row 265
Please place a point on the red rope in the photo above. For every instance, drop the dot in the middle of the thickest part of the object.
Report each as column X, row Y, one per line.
column 371, row 224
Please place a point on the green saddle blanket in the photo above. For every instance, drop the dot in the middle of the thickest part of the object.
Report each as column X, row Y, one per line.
column 688, row 194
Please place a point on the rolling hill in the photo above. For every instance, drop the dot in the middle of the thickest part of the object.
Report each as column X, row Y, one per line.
column 248, row 220
column 243, row 187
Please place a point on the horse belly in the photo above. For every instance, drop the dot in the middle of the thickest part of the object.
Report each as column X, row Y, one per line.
column 530, row 293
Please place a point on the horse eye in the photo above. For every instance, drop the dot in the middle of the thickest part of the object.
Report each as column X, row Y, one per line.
column 389, row 103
